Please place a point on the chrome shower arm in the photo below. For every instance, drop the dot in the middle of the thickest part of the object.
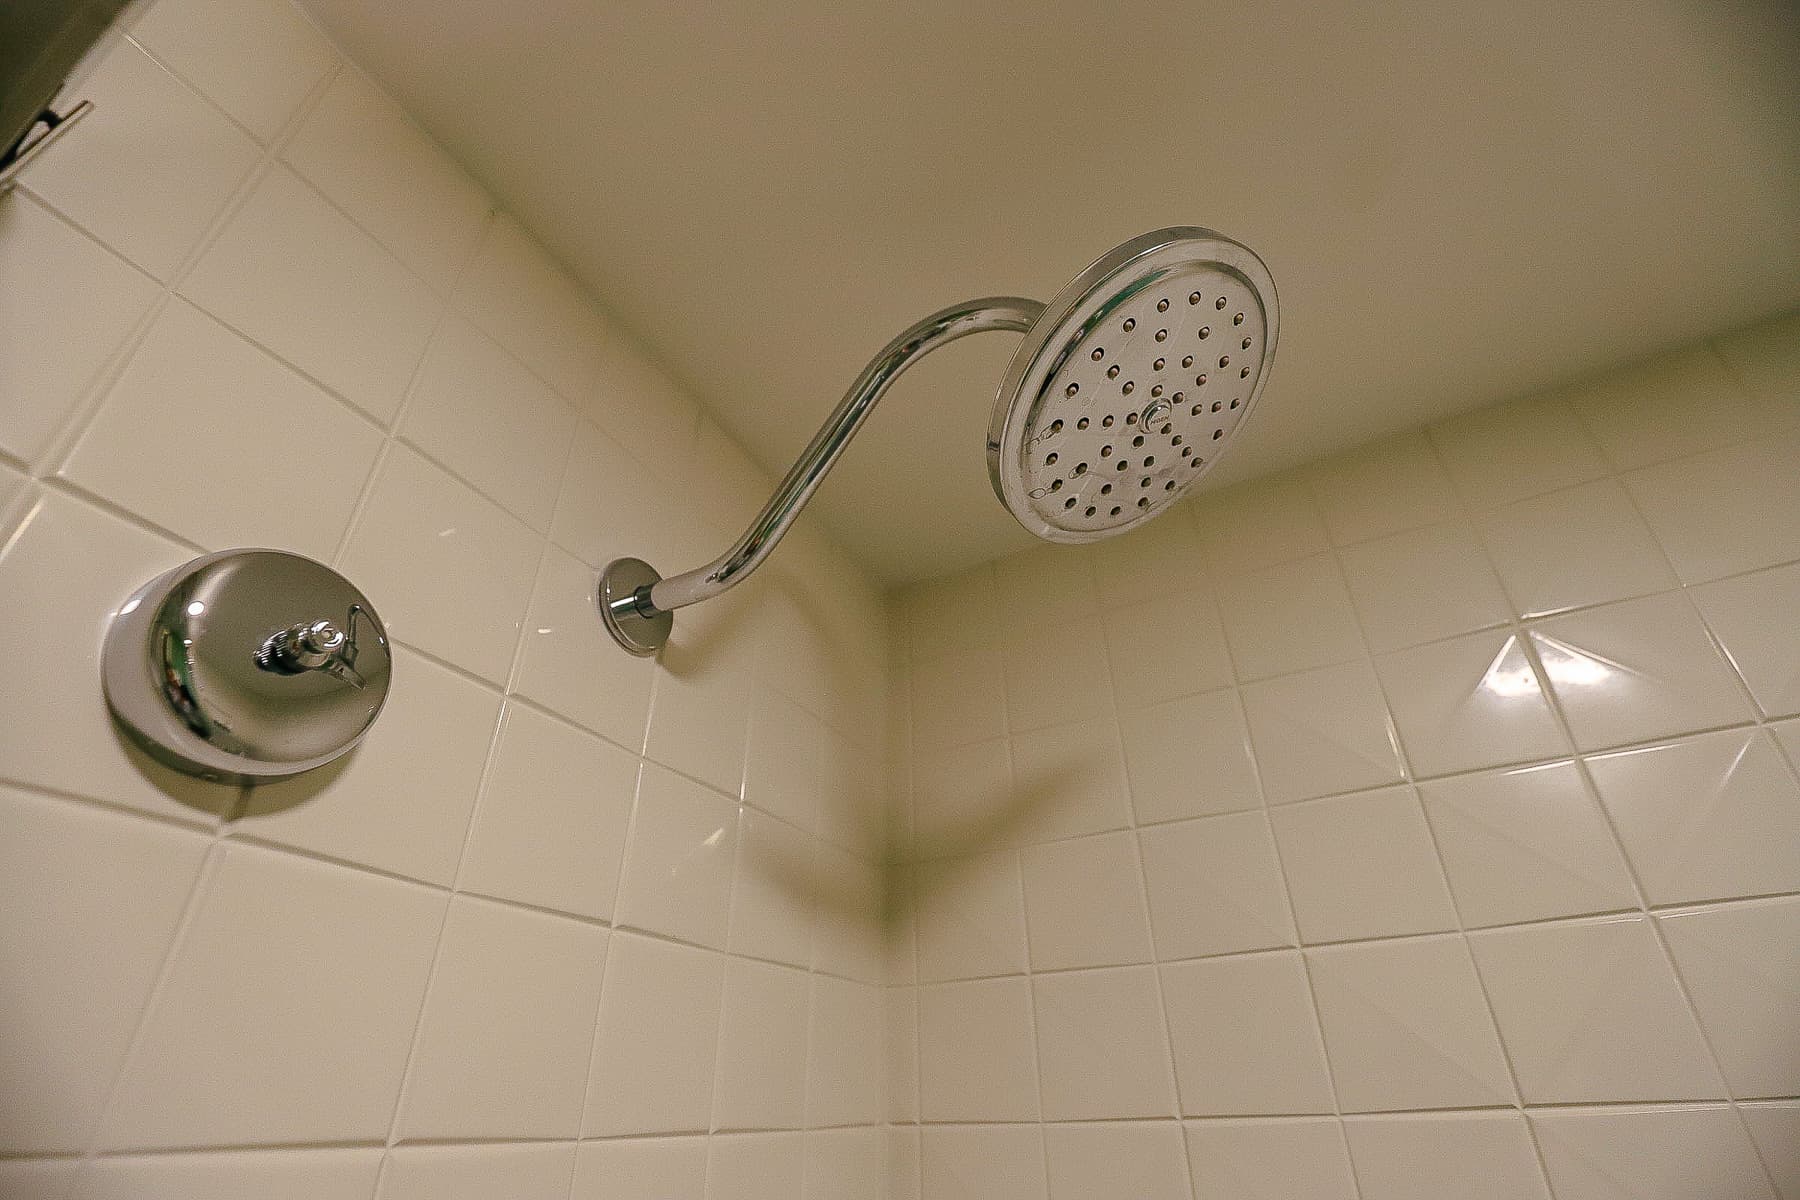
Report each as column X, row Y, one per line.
column 635, row 602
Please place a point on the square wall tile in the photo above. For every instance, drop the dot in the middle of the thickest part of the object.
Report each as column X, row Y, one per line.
column 153, row 166
column 1750, row 617
column 761, row 1081
column 1725, row 511
column 84, row 302
column 1362, row 866
column 1161, row 558
column 958, row 793
column 755, row 1166
column 1483, row 1156
column 1422, row 585
column 342, row 956
column 1056, row 680
column 1525, row 845
column 1406, row 1027
column 1383, row 488
column 1048, row 585
column 296, row 275
column 256, row 59
column 400, row 801
column 1215, row 886
column 1705, row 818
column 92, row 901
column 900, row 1044
column 1649, row 1154
column 1245, row 1038
column 971, row 916
column 903, row 1164
column 1270, row 1160
column 659, row 1027
column 1289, row 617
column 678, row 863
column 851, row 895
column 1775, row 1128
column 1469, row 702
column 661, row 1168
column 1638, row 670
column 515, row 291
column 958, row 699
column 1513, row 451
column 1590, row 1011
column 1069, row 780
column 38, row 1179
column 976, row 1058
column 518, row 1172
column 194, row 392
column 843, row 1084
column 1189, row 758
column 1259, row 524
column 363, row 151
column 569, row 663
column 1321, row 732
column 612, row 506
column 700, row 711
column 449, row 571
column 1102, row 1048
column 226, row 1175
column 772, row 899
column 842, row 1163
column 1645, row 413
column 984, row 1162
column 1741, row 964
column 1097, row 1160
column 1169, row 647
column 784, row 760
column 1084, row 903
column 550, row 829
column 1570, row 549
column 951, row 614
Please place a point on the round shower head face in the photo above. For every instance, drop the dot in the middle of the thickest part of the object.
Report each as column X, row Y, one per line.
column 1131, row 384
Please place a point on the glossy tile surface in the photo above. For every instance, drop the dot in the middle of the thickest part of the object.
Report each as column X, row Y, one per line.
column 1244, row 1037
column 1101, row 1048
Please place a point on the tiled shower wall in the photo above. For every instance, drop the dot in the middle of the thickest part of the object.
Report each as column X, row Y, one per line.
column 569, row 924
column 1424, row 823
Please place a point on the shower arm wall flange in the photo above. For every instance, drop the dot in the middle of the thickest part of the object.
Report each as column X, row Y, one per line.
column 638, row 605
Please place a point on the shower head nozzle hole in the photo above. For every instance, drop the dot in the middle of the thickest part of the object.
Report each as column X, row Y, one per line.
column 1162, row 306
column 1193, row 297
column 1071, row 390
column 1050, row 459
column 1205, row 332
column 1219, row 303
column 1162, row 335
column 1112, row 372
column 1238, row 320
column 1129, row 325
column 1129, row 387
column 1082, row 424
column 1098, row 354
column 1217, row 434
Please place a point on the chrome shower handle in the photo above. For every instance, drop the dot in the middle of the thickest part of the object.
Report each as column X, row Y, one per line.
column 314, row 646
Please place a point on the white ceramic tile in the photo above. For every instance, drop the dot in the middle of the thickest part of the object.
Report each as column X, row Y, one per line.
column 678, row 864
column 1749, row 615
column 851, row 900
column 83, row 303
column 783, row 765
column 92, row 899
column 518, row 1172
column 515, row 291
column 1469, row 702
column 640, row 1169
column 976, row 1058
column 900, row 1045
column 1383, row 488
column 950, row 614
column 12, row 483
column 1084, row 903
column 843, row 1087
column 761, row 1080
column 550, row 829
column 611, row 506
column 1102, row 1160
column 1775, row 1128
column 1321, row 732
column 1524, row 845
column 851, row 794
column 1726, row 511
column 1362, row 866
column 1705, row 818
column 1188, row 758
column 256, row 59
column 1056, row 679
column 700, row 711
column 196, row 393
column 569, row 663
column 63, row 575
column 1258, row 524
column 958, row 699
column 653, row 1055
column 1244, row 1036
column 153, row 166
column 1650, row 1154
column 1269, row 1160
column 984, row 1162
column 1483, row 1156
column 360, row 149
column 1765, row 357
column 37, row 1179
column 756, row 1166
column 283, row 957
column 1406, row 1027
column 1508, row 452
column 1741, row 964
column 270, row 1174
column 476, row 409
column 449, row 571
column 293, row 273
column 958, row 792
column 1047, row 585
column 401, row 800
column 1638, row 670
column 1589, row 1010
column 1102, row 1049
column 1172, row 646
column 1645, row 413
column 1215, row 886
column 971, row 916
column 1569, row 549
column 1422, row 585
column 1159, row 558
column 772, row 900
column 903, row 1164
column 1069, row 780
column 1289, row 617
column 843, row 1164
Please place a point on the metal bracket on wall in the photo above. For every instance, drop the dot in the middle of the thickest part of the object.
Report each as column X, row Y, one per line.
column 31, row 145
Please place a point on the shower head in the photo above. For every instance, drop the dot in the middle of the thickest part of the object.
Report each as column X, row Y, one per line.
column 1125, row 391
column 1129, row 386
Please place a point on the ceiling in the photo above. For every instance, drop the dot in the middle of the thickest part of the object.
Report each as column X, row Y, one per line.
column 1458, row 202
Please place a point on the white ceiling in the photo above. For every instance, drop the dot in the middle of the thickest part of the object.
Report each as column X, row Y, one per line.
column 1459, row 201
